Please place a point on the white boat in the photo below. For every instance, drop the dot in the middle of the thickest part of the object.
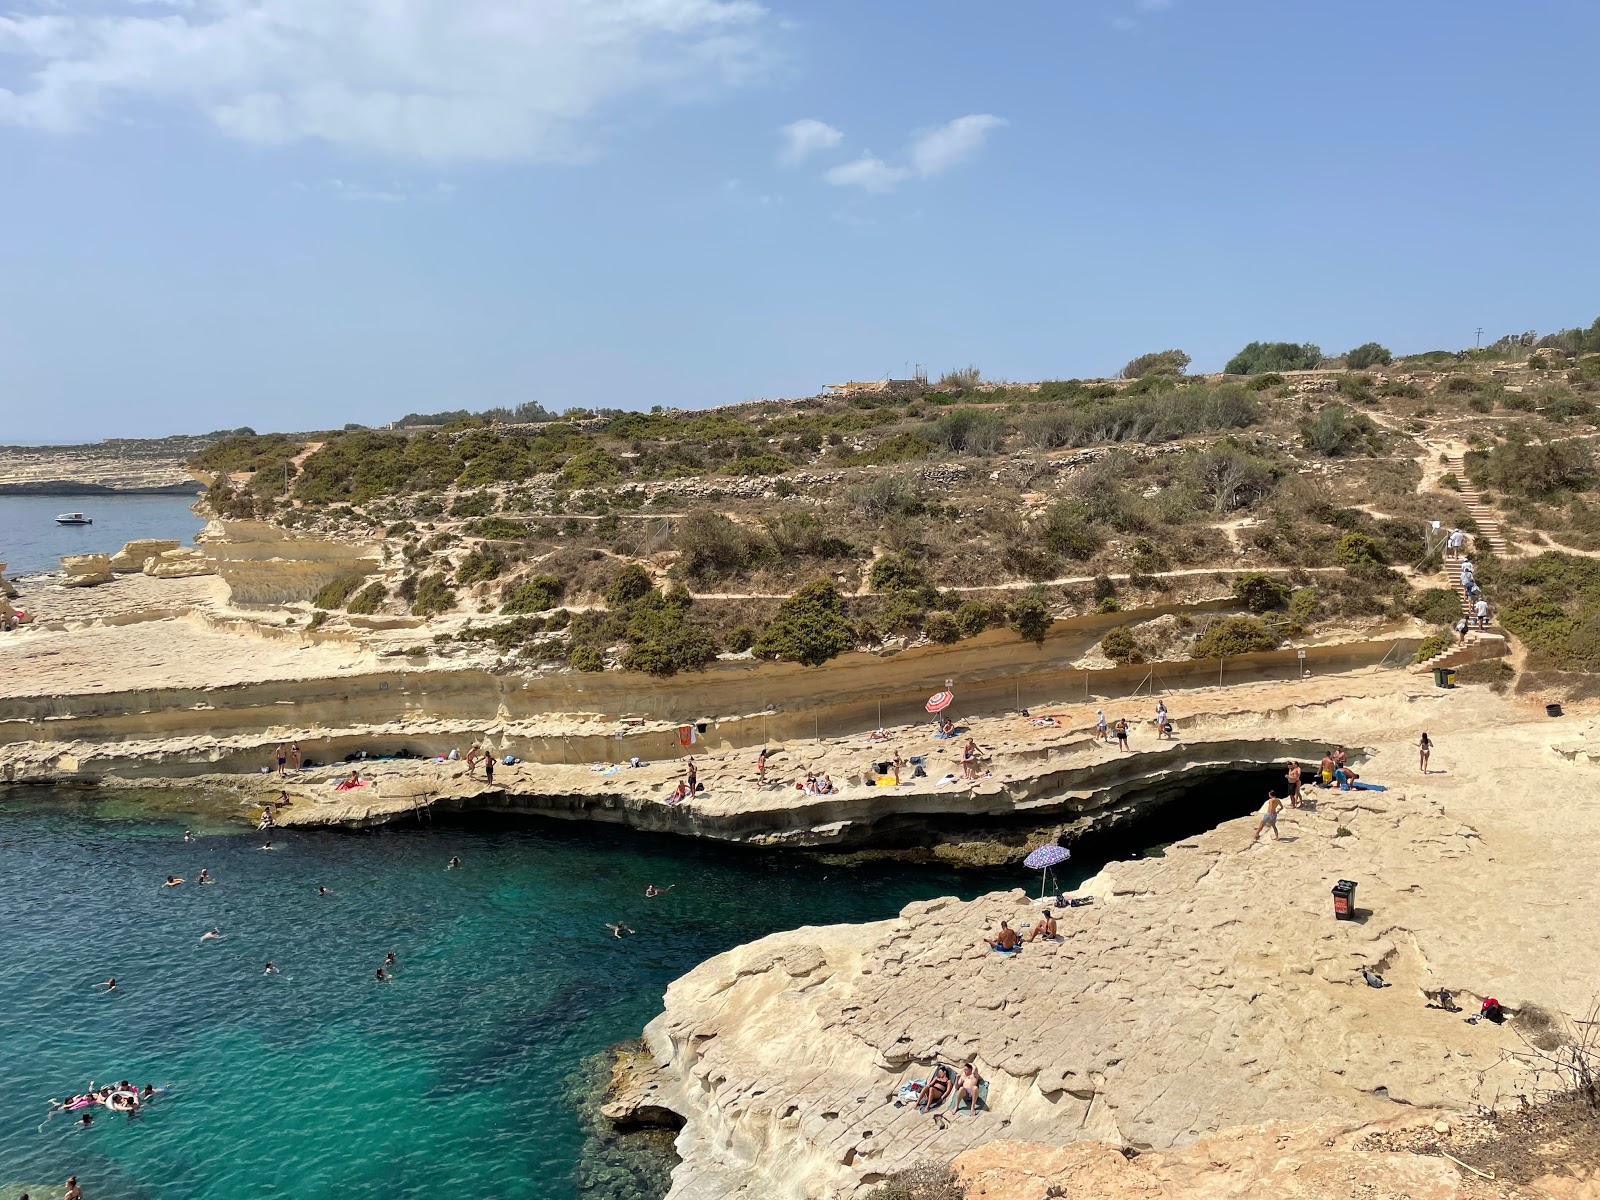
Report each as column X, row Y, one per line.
column 74, row 519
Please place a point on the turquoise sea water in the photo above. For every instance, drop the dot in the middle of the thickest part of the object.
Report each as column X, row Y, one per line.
column 456, row 1079
column 31, row 541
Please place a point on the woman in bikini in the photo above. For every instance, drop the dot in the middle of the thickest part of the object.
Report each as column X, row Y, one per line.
column 937, row 1090
column 1424, row 749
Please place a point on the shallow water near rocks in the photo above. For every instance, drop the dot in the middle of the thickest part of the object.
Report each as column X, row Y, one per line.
column 463, row 1076
column 31, row 541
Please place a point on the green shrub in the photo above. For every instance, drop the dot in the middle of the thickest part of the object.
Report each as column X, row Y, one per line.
column 1449, row 481
column 1302, row 606
column 1260, row 593
column 1437, row 606
column 903, row 612
column 742, row 638
column 399, row 529
column 809, row 627
column 1236, row 635
column 472, row 504
column 1161, row 362
column 1436, row 643
column 587, row 658
column 896, row 573
column 1536, row 470
column 1259, row 357
column 1067, row 531
column 1460, row 385
column 334, row 593
column 434, row 596
column 1358, row 550
column 803, row 535
column 902, row 447
column 588, row 468
column 628, row 585
column 941, row 627
column 888, row 495
column 1262, row 382
column 759, row 464
column 971, row 431
column 499, row 529
column 1108, row 604
column 539, row 594
column 711, row 545
column 368, row 600
column 1031, row 617
column 1118, row 645
column 1336, row 431
column 1368, row 354
column 482, row 564
column 972, row 618
column 318, row 619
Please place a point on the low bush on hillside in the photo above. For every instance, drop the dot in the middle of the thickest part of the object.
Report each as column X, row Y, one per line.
column 433, row 596
column 482, row 564
column 1368, row 354
column 810, row 627
column 538, row 594
column 1260, row 593
column 334, row 593
column 1031, row 617
column 368, row 600
column 1552, row 603
column 1259, row 357
column 1161, row 362
column 1236, row 635
column 1119, row 646
column 1437, row 606
column 1434, row 643
column 1537, row 469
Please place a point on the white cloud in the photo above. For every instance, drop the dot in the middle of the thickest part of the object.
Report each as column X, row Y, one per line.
column 430, row 80
column 936, row 150
column 867, row 172
column 806, row 137
column 931, row 152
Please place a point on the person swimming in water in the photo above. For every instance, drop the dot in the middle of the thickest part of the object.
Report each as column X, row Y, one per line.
column 322, row 891
column 653, row 890
column 109, row 985
column 453, row 863
column 266, row 845
column 618, row 929
column 187, row 836
column 205, row 876
column 214, row 932
column 388, row 959
column 172, row 881
column 380, row 976
column 269, row 969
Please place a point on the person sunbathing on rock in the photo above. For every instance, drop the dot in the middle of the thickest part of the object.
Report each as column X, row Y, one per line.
column 1045, row 927
column 1007, row 940
column 967, row 1085
column 937, row 1089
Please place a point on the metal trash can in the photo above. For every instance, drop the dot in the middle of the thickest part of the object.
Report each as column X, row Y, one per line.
column 1552, row 710
column 1344, row 899
column 1444, row 677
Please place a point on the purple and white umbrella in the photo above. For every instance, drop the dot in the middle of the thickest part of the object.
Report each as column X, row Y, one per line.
column 1042, row 858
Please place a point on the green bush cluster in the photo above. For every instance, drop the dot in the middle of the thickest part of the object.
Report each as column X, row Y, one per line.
column 483, row 563
column 368, row 600
column 539, row 594
column 1120, row 647
column 1031, row 617
column 1368, row 354
column 1434, row 643
column 334, row 593
column 1437, row 606
column 809, row 627
column 662, row 640
column 1160, row 362
column 433, row 596
column 1236, row 635
column 1259, row 357
column 1536, row 469
column 1260, row 593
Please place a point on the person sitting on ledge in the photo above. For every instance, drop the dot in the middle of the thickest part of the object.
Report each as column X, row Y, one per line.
column 967, row 1087
column 679, row 793
column 1006, row 941
column 1044, row 927
column 937, row 1089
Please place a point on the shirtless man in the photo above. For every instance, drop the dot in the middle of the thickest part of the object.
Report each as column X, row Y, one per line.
column 109, row 985
column 269, row 969
column 172, row 881
column 472, row 758
column 1294, row 784
column 618, row 929
column 967, row 1085
column 1045, row 926
column 1007, row 939
column 1269, row 818
column 1325, row 768
column 214, row 932
column 652, row 890
column 282, row 755
column 971, row 755
column 73, row 1192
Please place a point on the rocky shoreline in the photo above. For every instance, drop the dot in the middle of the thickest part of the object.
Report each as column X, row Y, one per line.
column 1208, row 988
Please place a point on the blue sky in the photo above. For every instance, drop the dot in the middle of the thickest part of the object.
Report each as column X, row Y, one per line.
column 297, row 213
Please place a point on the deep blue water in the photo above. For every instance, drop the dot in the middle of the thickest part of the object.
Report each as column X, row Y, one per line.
column 453, row 1080
column 31, row 541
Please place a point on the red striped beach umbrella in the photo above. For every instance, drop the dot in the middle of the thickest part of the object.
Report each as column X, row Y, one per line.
column 940, row 701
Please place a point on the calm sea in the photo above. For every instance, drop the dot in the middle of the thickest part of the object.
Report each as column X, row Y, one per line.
column 31, row 541
column 460, row 1078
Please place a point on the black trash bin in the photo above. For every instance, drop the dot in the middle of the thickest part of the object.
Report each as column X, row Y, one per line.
column 1344, row 899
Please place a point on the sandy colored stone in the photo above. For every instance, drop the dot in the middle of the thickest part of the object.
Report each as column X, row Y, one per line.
column 85, row 570
column 181, row 563
column 1208, row 988
column 135, row 554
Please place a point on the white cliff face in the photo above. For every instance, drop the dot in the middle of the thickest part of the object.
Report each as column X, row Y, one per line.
column 263, row 564
column 1205, row 989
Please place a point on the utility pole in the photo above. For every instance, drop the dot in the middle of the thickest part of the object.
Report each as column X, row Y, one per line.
column 1478, row 339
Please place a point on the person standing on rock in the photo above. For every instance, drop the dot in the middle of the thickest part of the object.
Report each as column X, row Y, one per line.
column 761, row 768
column 488, row 768
column 1269, row 818
column 691, row 777
column 1100, row 724
column 282, row 754
column 295, row 756
column 1294, row 784
column 1424, row 749
column 472, row 759
column 1121, row 730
